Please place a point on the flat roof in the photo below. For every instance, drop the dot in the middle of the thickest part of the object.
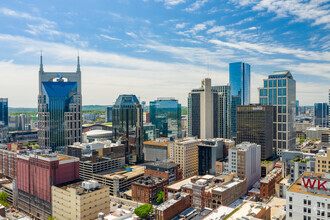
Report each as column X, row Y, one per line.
column 77, row 184
column 136, row 170
column 164, row 143
column 162, row 164
column 179, row 184
column 248, row 208
column 219, row 212
column 227, row 185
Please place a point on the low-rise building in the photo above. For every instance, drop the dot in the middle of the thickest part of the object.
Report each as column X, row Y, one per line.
column 157, row 150
column 251, row 210
column 322, row 161
column 308, row 197
column 266, row 167
column 316, row 132
column 145, row 189
column 172, row 207
column 79, row 200
column 163, row 169
column 267, row 184
column 282, row 186
column 300, row 135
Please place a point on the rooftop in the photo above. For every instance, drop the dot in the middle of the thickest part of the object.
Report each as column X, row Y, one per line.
column 78, row 185
column 179, row 184
column 162, row 164
column 149, row 181
column 228, row 185
column 219, row 213
column 280, row 74
column 136, row 171
column 248, row 208
column 165, row 205
column 271, row 175
column 156, row 143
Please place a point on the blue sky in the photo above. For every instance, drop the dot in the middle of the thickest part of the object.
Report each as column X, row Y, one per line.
column 162, row 48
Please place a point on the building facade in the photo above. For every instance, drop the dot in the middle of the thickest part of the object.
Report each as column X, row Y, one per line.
column 280, row 91
column 209, row 151
column 165, row 114
column 166, row 170
column 108, row 114
column 157, row 150
column 244, row 160
column 79, row 200
column 59, row 108
column 255, row 125
column 321, row 114
column 239, row 79
column 127, row 125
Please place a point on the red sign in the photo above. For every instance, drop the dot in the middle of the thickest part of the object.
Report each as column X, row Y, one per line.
column 311, row 183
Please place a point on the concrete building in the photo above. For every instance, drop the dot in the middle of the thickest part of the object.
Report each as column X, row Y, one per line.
column 322, row 161
column 145, row 189
column 239, row 79
column 244, row 160
column 280, row 91
column 127, row 124
column 79, row 200
column 267, row 184
column 157, row 150
column 166, row 170
column 315, row 132
column 36, row 174
column 186, row 155
column 209, row 151
column 255, row 125
column 59, row 108
column 308, row 197
column 172, row 207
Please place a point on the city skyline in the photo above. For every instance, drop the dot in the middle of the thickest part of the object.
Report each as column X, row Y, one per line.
column 162, row 48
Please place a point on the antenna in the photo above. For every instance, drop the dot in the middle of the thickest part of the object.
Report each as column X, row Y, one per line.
column 41, row 65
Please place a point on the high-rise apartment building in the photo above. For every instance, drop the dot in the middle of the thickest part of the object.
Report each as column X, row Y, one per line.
column 165, row 114
column 59, row 108
column 245, row 160
column 209, row 111
column 224, row 106
column 321, row 114
column 4, row 111
column 127, row 125
column 239, row 79
column 186, row 155
column 280, row 91
column 255, row 125
column 36, row 174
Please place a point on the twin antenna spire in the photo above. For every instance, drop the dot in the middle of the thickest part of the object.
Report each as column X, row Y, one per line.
column 42, row 66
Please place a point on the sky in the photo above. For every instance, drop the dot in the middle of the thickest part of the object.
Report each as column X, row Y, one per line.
column 162, row 48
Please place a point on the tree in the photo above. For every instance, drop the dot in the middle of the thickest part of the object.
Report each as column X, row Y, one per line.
column 3, row 199
column 144, row 211
column 160, row 197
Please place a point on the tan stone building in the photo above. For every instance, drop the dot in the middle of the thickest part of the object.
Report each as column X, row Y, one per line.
column 80, row 200
column 322, row 162
column 186, row 155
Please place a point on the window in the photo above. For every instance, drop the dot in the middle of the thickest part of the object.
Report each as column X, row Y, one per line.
column 261, row 92
column 290, row 199
column 290, row 214
column 274, row 83
column 280, row 83
column 309, row 202
column 270, row 83
column 265, row 83
column 284, row 91
column 279, row 92
column 290, row 206
column 284, row 82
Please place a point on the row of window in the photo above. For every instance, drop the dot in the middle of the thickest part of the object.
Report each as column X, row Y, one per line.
column 275, row 83
column 273, row 101
column 273, row 92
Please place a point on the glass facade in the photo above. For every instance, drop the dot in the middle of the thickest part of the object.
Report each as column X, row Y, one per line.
column 165, row 114
column 58, row 97
column 321, row 113
column 4, row 111
column 280, row 90
column 239, row 78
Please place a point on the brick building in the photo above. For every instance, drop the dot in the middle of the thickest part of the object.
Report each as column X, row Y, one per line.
column 267, row 184
column 172, row 207
column 36, row 173
column 146, row 189
column 8, row 163
column 170, row 171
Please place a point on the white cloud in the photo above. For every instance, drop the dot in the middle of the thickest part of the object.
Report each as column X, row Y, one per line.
column 196, row 5
column 216, row 29
column 12, row 13
column 131, row 34
column 200, row 27
column 302, row 10
column 181, row 25
column 170, row 3
column 108, row 37
column 252, row 28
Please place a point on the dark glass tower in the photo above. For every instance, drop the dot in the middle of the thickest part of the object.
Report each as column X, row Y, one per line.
column 255, row 125
column 4, row 111
column 59, row 109
column 239, row 79
column 165, row 114
column 321, row 113
column 127, row 126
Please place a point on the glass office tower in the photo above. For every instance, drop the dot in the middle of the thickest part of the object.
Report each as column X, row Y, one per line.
column 321, row 113
column 239, row 79
column 127, row 126
column 59, row 109
column 165, row 114
column 280, row 90
column 4, row 111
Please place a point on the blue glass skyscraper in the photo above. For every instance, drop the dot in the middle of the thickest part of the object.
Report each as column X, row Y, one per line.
column 4, row 111
column 321, row 112
column 239, row 79
column 165, row 114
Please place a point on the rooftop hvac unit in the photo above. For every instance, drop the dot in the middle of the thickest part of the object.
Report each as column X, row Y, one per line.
column 87, row 185
column 94, row 183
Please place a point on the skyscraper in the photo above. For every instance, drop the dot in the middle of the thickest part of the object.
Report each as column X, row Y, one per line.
column 108, row 114
column 224, row 106
column 165, row 114
column 239, row 79
column 255, row 125
column 59, row 108
column 321, row 114
column 297, row 107
column 202, row 103
column 280, row 90
column 4, row 111
column 127, row 125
